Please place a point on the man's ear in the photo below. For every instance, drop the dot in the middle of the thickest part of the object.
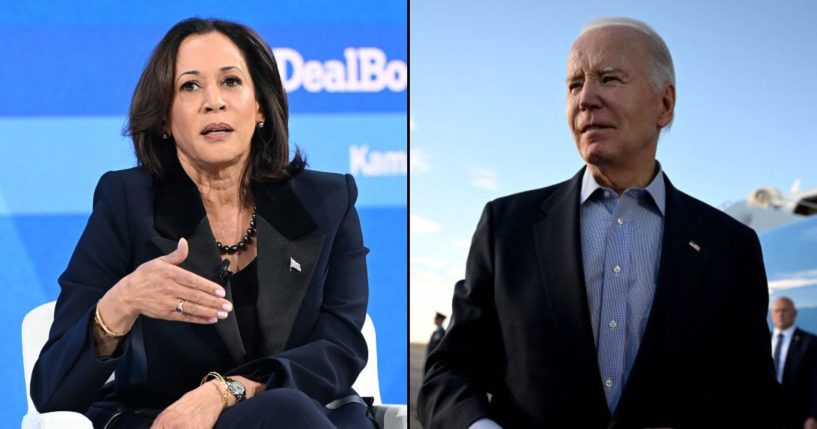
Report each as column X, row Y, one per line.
column 667, row 106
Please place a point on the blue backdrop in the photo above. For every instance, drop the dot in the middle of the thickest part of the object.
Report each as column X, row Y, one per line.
column 69, row 73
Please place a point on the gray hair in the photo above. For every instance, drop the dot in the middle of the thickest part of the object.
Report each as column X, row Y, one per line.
column 663, row 69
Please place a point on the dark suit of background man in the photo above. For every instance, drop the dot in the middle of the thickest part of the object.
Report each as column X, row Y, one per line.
column 610, row 300
column 437, row 336
column 795, row 358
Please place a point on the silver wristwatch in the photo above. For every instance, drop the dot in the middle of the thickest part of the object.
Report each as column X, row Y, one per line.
column 236, row 389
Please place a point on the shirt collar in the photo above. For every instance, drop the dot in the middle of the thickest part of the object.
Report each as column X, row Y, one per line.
column 656, row 189
column 786, row 332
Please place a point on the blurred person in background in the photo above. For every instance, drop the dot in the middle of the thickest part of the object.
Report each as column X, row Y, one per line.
column 795, row 360
column 437, row 336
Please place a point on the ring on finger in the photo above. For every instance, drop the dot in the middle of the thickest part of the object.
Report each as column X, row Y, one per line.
column 180, row 306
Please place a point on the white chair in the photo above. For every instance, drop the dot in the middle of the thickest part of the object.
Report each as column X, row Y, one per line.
column 38, row 321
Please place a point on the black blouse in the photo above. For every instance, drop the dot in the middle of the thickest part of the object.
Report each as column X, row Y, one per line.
column 244, row 285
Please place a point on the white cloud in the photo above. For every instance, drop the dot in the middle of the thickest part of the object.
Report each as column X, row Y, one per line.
column 418, row 161
column 421, row 225
column 428, row 262
column 484, row 178
column 456, row 272
column 431, row 292
column 461, row 244
column 431, row 283
column 430, row 280
column 794, row 280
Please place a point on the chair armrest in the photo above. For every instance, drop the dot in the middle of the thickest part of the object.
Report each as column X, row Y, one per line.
column 391, row 416
column 56, row 420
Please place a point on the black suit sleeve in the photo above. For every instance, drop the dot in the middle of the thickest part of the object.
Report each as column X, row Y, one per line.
column 327, row 364
column 68, row 375
column 461, row 370
column 752, row 394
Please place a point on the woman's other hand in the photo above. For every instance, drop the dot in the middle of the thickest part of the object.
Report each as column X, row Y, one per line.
column 156, row 288
column 197, row 409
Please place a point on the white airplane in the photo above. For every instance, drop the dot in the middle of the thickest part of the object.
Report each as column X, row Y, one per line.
column 787, row 227
column 766, row 208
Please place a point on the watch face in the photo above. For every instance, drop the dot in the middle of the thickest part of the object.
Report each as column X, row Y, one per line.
column 237, row 389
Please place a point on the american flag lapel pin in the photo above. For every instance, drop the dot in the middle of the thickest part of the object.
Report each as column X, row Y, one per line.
column 694, row 245
column 294, row 265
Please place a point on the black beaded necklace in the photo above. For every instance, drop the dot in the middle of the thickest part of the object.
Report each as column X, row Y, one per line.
column 241, row 245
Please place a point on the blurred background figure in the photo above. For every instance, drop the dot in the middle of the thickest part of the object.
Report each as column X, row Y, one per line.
column 437, row 336
column 795, row 357
column 418, row 352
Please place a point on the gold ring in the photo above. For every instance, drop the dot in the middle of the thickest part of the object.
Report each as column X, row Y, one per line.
column 180, row 306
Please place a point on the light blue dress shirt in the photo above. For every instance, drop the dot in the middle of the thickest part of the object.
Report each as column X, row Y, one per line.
column 621, row 245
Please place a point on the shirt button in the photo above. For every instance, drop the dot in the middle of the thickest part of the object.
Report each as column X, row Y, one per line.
column 613, row 324
column 616, row 269
column 620, row 221
column 608, row 383
column 606, row 194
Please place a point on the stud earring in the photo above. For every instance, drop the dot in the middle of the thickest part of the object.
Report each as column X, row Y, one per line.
column 261, row 124
column 164, row 136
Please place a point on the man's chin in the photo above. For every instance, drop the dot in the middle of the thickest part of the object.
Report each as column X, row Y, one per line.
column 596, row 147
column 597, row 158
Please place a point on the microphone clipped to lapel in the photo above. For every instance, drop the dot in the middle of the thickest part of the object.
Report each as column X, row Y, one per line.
column 294, row 265
column 222, row 272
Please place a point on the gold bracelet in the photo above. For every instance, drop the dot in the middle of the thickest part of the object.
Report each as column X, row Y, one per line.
column 221, row 381
column 99, row 322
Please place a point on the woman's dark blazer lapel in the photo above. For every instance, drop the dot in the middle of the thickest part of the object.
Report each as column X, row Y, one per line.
column 287, row 253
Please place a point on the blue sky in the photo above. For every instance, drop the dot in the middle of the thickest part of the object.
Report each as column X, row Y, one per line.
column 487, row 111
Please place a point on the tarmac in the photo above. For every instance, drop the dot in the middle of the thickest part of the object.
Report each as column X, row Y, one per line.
column 417, row 359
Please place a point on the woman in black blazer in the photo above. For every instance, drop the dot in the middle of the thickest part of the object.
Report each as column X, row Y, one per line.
column 223, row 284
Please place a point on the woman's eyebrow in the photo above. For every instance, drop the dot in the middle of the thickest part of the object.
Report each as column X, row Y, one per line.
column 198, row 73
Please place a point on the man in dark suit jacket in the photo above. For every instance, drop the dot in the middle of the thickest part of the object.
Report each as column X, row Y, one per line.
column 795, row 357
column 611, row 300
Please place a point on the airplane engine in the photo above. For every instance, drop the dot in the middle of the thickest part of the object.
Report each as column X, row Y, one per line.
column 764, row 197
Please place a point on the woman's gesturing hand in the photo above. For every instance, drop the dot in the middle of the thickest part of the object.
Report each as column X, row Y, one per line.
column 159, row 289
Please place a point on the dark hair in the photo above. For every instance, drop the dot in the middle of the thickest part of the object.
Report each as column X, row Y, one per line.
column 153, row 97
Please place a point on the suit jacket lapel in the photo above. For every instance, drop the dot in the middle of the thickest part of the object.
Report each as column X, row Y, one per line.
column 792, row 357
column 679, row 277
column 204, row 261
column 287, row 257
column 558, row 249
column 287, row 253
column 179, row 212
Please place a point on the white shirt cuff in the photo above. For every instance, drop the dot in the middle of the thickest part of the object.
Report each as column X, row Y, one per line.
column 484, row 423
